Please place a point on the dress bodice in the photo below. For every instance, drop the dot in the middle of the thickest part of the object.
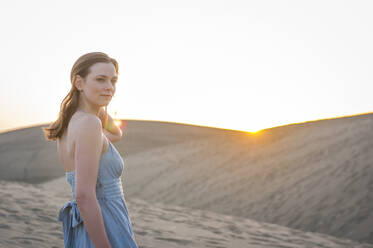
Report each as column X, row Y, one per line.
column 109, row 184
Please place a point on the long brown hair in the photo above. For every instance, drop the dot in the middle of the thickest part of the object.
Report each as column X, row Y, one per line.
column 70, row 103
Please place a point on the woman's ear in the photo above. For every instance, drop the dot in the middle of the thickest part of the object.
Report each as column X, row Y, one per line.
column 79, row 82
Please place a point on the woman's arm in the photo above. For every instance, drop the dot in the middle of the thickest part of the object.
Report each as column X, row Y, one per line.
column 88, row 147
column 111, row 131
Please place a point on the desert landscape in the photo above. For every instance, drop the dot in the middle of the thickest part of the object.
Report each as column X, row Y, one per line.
column 300, row 185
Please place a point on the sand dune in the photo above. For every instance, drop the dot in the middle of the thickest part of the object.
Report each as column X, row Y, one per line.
column 28, row 219
column 192, row 186
column 316, row 176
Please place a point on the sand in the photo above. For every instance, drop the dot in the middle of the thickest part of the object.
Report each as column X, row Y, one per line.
column 301, row 185
column 28, row 219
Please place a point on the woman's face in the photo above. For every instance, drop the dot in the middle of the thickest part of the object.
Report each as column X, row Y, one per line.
column 99, row 85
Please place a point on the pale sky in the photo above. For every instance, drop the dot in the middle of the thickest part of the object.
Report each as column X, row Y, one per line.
column 243, row 65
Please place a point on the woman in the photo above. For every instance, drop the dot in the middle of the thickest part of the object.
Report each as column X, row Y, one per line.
column 93, row 167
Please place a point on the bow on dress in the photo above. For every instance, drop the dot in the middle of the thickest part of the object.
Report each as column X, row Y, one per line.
column 69, row 221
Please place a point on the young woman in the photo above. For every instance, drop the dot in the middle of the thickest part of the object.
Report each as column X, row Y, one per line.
column 93, row 167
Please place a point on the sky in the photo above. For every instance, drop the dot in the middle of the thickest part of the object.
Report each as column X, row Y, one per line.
column 242, row 65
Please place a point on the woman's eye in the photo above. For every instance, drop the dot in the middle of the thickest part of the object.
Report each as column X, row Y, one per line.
column 100, row 79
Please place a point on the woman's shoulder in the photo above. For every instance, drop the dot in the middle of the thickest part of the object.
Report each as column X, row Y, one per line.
column 84, row 120
column 85, row 124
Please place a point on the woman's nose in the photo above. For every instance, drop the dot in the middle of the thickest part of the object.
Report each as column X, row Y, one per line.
column 109, row 86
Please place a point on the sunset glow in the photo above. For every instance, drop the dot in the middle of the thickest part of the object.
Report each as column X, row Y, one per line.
column 242, row 65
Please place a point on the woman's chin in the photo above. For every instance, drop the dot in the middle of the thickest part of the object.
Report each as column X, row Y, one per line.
column 104, row 104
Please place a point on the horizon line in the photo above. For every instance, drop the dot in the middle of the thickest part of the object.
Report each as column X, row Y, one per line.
column 259, row 130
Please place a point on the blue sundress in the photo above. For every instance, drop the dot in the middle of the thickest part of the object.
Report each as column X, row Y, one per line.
column 109, row 193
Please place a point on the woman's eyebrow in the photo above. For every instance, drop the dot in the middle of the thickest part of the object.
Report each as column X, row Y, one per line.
column 115, row 77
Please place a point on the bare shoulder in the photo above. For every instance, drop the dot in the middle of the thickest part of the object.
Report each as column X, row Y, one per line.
column 87, row 127
column 88, row 121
